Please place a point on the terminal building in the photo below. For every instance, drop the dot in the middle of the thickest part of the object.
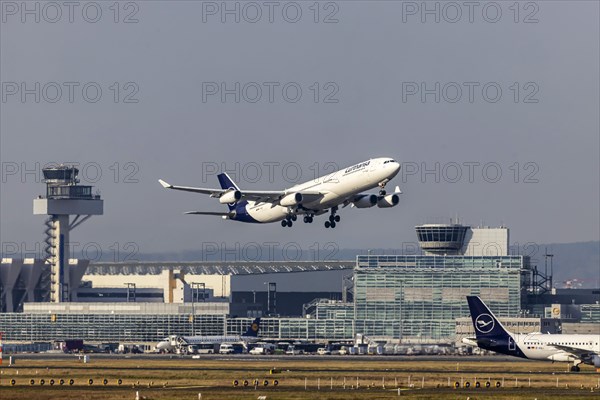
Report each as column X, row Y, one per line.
column 400, row 298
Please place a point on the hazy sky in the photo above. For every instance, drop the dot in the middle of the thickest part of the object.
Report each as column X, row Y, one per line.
column 494, row 122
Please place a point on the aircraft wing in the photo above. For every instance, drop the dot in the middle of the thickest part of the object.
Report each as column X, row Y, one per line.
column 253, row 195
column 579, row 353
column 354, row 198
column 311, row 195
column 263, row 196
column 359, row 196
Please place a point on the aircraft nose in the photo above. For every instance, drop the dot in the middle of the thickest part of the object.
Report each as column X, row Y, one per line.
column 396, row 167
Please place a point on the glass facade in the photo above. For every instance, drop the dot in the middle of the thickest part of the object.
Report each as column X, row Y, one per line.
column 447, row 233
column 75, row 191
column 441, row 238
column 331, row 309
column 421, row 296
column 146, row 328
column 296, row 328
column 590, row 313
column 128, row 328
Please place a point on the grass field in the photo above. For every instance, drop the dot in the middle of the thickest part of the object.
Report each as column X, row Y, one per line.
column 350, row 378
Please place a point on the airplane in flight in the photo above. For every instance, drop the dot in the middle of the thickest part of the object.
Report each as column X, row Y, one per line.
column 490, row 334
column 170, row 343
column 318, row 196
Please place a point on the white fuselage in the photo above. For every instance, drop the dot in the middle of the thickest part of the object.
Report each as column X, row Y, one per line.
column 539, row 346
column 337, row 186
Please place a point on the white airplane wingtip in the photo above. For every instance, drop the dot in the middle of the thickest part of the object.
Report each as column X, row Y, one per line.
column 397, row 190
column 164, row 184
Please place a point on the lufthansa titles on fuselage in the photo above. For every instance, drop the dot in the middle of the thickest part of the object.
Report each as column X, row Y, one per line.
column 356, row 167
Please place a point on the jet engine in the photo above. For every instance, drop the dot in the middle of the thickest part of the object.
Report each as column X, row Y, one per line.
column 562, row 357
column 231, row 196
column 596, row 361
column 366, row 201
column 390, row 200
column 291, row 199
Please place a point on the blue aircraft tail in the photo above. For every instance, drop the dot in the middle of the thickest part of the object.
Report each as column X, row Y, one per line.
column 489, row 332
column 227, row 183
column 253, row 329
column 484, row 321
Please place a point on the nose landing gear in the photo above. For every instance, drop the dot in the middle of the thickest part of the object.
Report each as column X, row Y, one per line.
column 382, row 191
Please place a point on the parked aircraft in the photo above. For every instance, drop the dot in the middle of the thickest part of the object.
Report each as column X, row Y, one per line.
column 491, row 335
column 172, row 342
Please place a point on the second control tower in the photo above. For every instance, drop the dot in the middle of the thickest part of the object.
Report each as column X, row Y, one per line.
column 64, row 197
column 462, row 240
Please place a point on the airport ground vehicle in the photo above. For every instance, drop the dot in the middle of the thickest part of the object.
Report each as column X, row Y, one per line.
column 263, row 348
column 293, row 350
column 323, row 351
column 200, row 348
column 226, row 348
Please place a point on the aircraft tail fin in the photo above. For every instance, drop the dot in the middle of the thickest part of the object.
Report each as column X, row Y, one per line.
column 253, row 328
column 226, row 182
column 485, row 322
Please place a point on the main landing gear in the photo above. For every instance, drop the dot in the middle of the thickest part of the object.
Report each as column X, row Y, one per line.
column 333, row 218
column 308, row 219
column 575, row 368
column 289, row 220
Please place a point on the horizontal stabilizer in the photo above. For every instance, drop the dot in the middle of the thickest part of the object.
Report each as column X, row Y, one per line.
column 218, row 214
column 209, row 191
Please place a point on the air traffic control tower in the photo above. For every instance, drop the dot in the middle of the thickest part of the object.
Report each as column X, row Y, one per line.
column 64, row 197
column 462, row 240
